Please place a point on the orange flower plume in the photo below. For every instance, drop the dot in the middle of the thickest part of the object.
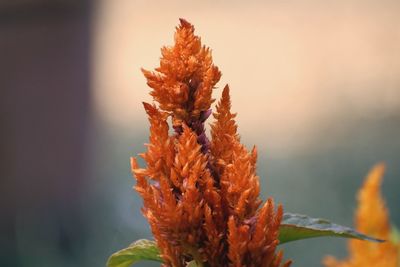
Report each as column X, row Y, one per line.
column 201, row 197
column 372, row 218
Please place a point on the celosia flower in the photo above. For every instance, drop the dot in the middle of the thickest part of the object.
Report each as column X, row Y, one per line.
column 372, row 217
column 201, row 197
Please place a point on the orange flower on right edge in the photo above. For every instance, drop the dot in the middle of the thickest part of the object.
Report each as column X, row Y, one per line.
column 372, row 218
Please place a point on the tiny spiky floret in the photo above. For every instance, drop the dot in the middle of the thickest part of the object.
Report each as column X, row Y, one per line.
column 372, row 218
column 201, row 197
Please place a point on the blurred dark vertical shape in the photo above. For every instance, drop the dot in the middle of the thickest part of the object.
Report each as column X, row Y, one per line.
column 44, row 109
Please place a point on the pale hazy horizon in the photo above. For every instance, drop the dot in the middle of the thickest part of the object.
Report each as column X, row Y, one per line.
column 290, row 66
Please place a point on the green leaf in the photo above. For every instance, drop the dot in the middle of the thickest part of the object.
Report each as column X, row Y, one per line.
column 137, row 251
column 395, row 235
column 191, row 264
column 296, row 227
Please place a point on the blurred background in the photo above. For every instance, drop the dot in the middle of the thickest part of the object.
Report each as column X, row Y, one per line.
column 316, row 86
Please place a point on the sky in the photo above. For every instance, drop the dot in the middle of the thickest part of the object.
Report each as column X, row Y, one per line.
column 290, row 65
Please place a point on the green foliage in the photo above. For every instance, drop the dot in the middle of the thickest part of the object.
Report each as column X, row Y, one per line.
column 192, row 264
column 296, row 227
column 395, row 235
column 137, row 251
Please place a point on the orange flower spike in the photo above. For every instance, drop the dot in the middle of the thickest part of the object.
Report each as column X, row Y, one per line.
column 372, row 218
column 223, row 130
column 212, row 198
column 201, row 200
column 239, row 183
column 184, row 225
column 213, row 246
column 267, row 221
column 153, row 211
column 238, row 238
column 190, row 164
column 170, row 253
column 159, row 202
column 159, row 157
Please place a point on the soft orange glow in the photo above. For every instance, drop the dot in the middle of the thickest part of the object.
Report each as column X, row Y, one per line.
column 372, row 218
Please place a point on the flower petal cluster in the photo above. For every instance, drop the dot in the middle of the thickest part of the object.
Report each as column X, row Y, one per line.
column 372, row 218
column 201, row 196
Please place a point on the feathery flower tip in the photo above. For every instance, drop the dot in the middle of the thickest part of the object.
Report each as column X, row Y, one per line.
column 185, row 23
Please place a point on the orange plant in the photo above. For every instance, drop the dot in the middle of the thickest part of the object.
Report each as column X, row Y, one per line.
column 201, row 196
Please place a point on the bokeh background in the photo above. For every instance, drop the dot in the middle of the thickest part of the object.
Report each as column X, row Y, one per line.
column 316, row 85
